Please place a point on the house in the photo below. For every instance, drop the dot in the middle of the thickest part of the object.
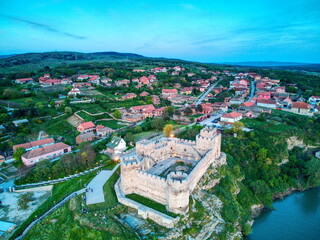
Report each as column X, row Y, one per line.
column 24, row 80
column 144, row 94
column 280, row 89
column 264, row 95
column 207, row 107
column 236, row 100
column 81, row 84
column 250, row 114
column 155, row 99
column 123, row 82
column 74, row 92
column 268, row 103
column 169, row 92
column 186, row 90
column 314, row 100
column 159, row 69
column 175, row 73
column 34, row 144
column 129, row 96
column 47, row 152
column 116, row 146
column 220, row 106
column 138, row 70
column 247, row 104
column 66, row 81
column 144, row 80
column 230, row 118
column 86, row 127
column 301, row 108
column 50, row 82
column 134, row 117
column 177, row 68
column 102, row 131
column 17, row 123
column 85, row 137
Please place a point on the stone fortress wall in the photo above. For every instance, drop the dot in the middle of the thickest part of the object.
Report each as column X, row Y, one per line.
column 174, row 190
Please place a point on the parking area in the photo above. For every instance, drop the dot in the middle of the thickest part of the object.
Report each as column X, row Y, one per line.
column 213, row 120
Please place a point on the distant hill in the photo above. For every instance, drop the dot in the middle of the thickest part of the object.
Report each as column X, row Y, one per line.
column 6, row 56
column 56, row 58
column 118, row 54
column 266, row 64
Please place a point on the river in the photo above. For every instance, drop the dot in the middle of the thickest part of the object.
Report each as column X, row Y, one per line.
column 296, row 217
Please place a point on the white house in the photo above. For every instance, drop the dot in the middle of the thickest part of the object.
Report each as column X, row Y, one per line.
column 268, row 103
column 116, row 146
column 231, row 118
column 314, row 100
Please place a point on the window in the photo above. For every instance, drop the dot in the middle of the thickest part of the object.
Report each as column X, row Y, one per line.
column 65, row 150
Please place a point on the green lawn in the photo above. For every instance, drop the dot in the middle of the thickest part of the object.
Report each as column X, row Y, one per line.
column 150, row 203
column 269, row 125
column 111, row 124
column 90, row 107
column 141, row 135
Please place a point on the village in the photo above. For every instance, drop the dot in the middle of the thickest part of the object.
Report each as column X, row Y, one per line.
column 108, row 117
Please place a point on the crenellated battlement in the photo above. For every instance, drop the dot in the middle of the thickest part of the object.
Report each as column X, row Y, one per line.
column 141, row 172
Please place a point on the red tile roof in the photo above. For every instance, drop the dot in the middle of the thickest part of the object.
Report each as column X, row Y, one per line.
column 169, row 91
column 266, row 101
column 87, row 125
column 231, row 115
column 34, row 143
column 45, row 150
column 302, row 105
column 247, row 104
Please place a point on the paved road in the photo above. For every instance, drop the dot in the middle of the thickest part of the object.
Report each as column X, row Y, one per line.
column 203, row 95
column 94, row 193
column 252, row 90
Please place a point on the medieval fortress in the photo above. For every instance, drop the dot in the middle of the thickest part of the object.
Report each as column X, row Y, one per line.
column 167, row 170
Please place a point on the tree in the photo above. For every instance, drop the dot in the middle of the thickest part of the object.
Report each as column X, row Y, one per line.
column 167, row 130
column 313, row 171
column 39, row 105
column 129, row 137
column 52, row 104
column 187, row 111
column 17, row 156
column 169, row 111
column 137, row 129
column 117, row 114
column 237, row 127
column 68, row 110
column 199, row 108
column 157, row 123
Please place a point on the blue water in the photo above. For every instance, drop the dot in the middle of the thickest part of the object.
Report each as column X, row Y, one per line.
column 296, row 217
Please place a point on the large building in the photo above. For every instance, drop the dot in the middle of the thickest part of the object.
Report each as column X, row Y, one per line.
column 167, row 170
column 48, row 152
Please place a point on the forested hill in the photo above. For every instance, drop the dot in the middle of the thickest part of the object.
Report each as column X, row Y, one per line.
column 60, row 57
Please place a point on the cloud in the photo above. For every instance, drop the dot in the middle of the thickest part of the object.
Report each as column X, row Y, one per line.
column 44, row 27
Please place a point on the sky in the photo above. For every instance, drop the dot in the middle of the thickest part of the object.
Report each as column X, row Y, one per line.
column 205, row 31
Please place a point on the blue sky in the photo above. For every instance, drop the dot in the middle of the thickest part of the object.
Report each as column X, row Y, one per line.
column 207, row 31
